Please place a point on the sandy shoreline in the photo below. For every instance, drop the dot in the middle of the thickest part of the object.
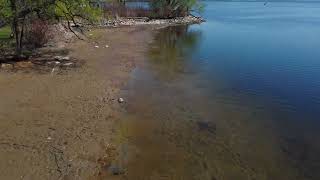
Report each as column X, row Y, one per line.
column 61, row 125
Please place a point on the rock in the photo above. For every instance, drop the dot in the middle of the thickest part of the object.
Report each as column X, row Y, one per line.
column 6, row 66
column 61, row 58
column 57, row 62
column 54, row 70
column 58, row 58
column 107, row 46
column 115, row 170
column 68, row 64
column 207, row 126
column 66, row 58
column 96, row 46
column 121, row 100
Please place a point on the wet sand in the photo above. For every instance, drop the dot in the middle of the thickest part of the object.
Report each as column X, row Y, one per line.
column 62, row 125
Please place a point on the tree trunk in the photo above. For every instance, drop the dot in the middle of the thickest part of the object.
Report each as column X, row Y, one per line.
column 15, row 28
column 21, row 34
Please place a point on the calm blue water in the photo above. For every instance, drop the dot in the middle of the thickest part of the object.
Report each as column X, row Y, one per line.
column 242, row 90
column 269, row 52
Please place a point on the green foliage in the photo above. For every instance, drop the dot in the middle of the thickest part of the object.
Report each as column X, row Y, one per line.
column 5, row 11
column 175, row 8
column 19, row 13
column 5, row 32
column 77, row 9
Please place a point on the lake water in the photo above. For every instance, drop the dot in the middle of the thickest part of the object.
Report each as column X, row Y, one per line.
column 237, row 97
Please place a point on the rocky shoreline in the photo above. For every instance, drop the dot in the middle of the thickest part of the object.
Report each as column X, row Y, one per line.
column 131, row 21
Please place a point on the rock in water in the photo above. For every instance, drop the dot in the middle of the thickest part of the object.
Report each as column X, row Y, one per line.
column 115, row 170
column 121, row 100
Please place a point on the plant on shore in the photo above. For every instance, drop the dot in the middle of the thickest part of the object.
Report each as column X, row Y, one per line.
column 175, row 8
column 19, row 13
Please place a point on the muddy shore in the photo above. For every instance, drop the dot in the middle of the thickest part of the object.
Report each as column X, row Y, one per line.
column 60, row 123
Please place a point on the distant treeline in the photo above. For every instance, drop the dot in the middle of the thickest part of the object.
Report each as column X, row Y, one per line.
column 154, row 8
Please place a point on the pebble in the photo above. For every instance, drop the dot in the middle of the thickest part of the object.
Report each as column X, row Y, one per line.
column 58, row 57
column 53, row 70
column 96, row 46
column 68, row 64
column 66, row 58
column 120, row 100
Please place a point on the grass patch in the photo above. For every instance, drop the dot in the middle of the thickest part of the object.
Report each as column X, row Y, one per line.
column 5, row 32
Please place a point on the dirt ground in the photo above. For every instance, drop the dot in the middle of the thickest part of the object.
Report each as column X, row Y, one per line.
column 60, row 124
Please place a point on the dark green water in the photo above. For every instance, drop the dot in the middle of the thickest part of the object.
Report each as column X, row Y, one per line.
column 234, row 98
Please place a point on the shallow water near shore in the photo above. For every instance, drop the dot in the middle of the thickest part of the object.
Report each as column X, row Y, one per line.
column 233, row 98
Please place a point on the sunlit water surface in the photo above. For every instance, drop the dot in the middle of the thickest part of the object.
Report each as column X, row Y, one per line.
column 237, row 97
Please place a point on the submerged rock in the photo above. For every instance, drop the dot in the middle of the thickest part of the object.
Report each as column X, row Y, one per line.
column 115, row 170
column 207, row 126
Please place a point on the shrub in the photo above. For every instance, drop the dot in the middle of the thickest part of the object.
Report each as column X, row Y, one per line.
column 174, row 8
column 38, row 33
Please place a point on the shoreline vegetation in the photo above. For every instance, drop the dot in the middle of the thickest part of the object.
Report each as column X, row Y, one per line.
column 63, row 35
column 32, row 25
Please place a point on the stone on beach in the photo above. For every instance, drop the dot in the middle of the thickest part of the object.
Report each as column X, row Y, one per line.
column 61, row 58
column 6, row 66
column 68, row 64
column 121, row 100
column 66, row 58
